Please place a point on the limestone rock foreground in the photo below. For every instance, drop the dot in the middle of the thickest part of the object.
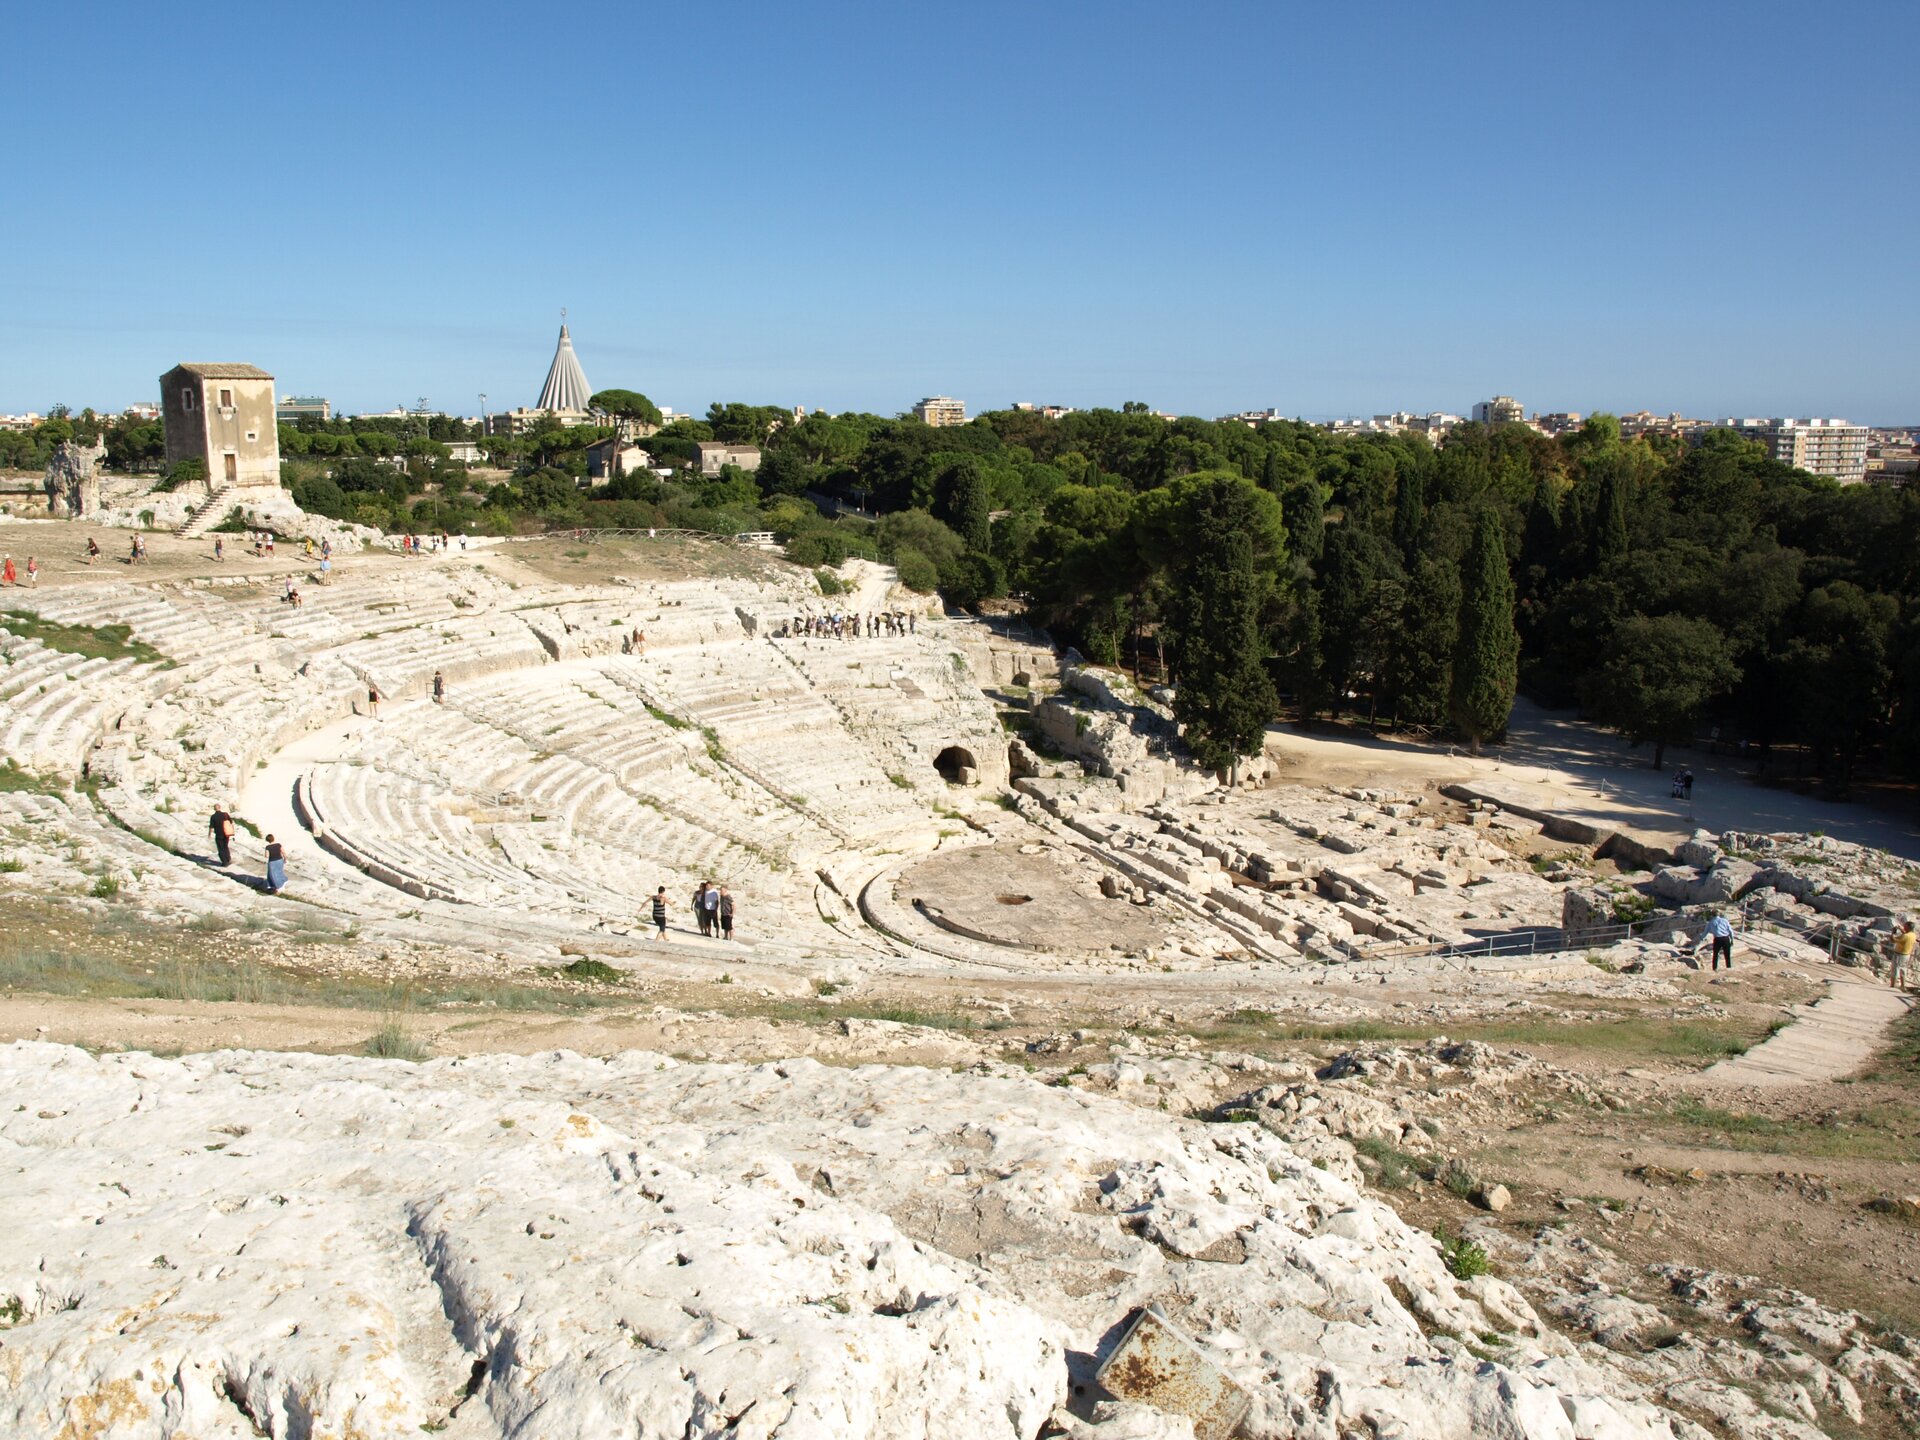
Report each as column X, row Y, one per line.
column 245, row 1243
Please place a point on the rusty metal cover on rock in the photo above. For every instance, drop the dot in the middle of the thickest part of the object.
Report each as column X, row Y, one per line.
column 1156, row 1365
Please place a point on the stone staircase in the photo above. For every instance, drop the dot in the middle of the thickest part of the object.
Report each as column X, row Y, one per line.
column 207, row 515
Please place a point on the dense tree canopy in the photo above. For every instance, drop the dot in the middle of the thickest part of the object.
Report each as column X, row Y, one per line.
column 1668, row 589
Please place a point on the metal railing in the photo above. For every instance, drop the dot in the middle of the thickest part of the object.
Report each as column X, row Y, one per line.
column 1550, row 940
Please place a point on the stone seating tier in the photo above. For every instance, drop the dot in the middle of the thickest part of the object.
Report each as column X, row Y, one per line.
column 58, row 722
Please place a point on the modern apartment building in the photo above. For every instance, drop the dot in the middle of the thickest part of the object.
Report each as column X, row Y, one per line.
column 293, row 408
column 1500, row 410
column 1824, row 447
column 941, row 410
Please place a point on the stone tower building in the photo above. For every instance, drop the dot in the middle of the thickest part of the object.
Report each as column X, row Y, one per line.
column 222, row 416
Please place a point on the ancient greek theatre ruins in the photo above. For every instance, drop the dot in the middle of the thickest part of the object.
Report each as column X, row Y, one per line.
column 549, row 1244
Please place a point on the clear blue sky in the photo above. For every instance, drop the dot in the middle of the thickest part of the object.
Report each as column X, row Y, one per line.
column 1330, row 208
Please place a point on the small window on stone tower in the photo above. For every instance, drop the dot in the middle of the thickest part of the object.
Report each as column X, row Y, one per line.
column 186, row 398
column 226, row 399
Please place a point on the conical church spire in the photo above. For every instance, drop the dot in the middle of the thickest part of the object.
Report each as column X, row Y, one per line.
column 566, row 387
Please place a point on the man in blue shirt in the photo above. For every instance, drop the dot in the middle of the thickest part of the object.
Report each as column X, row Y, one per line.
column 1720, row 931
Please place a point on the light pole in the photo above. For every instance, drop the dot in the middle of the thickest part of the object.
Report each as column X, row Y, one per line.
column 483, row 412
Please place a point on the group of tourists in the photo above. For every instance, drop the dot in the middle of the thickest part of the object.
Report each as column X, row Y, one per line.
column 11, row 576
column 292, row 594
column 850, row 625
column 221, row 827
column 1683, row 785
column 413, row 545
column 712, row 910
column 136, row 553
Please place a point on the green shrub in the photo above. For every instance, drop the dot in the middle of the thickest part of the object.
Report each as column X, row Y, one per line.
column 917, row 571
column 390, row 1042
column 1464, row 1259
column 596, row 972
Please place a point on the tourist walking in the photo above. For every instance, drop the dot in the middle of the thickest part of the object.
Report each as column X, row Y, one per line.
column 1720, row 932
column 1902, row 955
column 439, row 688
column 276, row 867
column 700, row 907
column 8, row 575
column 726, row 913
column 660, row 913
column 373, row 700
column 33, row 572
column 220, row 547
column 712, row 912
column 221, row 828
column 1686, row 783
column 93, row 549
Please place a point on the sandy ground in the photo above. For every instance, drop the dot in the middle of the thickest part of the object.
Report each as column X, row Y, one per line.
column 1565, row 765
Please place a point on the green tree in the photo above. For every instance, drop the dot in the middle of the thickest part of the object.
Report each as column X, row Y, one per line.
column 739, row 424
column 915, row 531
column 1229, row 537
column 1656, row 676
column 1610, row 511
column 1355, row 570
column 916, row 571
column 1486, row 657
column 1420, row 650
column 1839, row 664
column 960, row 499
column 1305, row 508
column 782, row 472
column 628, row 404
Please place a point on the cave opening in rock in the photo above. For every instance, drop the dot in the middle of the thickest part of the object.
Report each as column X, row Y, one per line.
column 957, row 766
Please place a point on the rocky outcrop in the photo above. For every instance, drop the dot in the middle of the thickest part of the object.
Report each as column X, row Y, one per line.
column 73, row 484
column 291, row 1245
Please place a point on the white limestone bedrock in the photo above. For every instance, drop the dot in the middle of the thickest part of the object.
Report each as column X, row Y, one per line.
column 633, row 1246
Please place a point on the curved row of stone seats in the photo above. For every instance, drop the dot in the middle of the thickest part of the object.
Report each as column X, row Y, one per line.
column 404, row 827
column 55, row 723
column 27, row 666
column 576, row 717
column 398, row 831
column 567, row 793
column 551, row 708
column 182, row 624
column 460, row 647
column 783, row 736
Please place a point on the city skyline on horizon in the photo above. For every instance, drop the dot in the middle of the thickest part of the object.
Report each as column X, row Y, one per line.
column 860, row 208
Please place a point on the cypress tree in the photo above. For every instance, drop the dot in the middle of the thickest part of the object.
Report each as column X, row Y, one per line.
column 1420, row 663
column 1486, row 659
column 1223, row 694
column 1409, row 510
column 961, row 500
column 1306, row 519
column 1540, row 543
column 1610, row 513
